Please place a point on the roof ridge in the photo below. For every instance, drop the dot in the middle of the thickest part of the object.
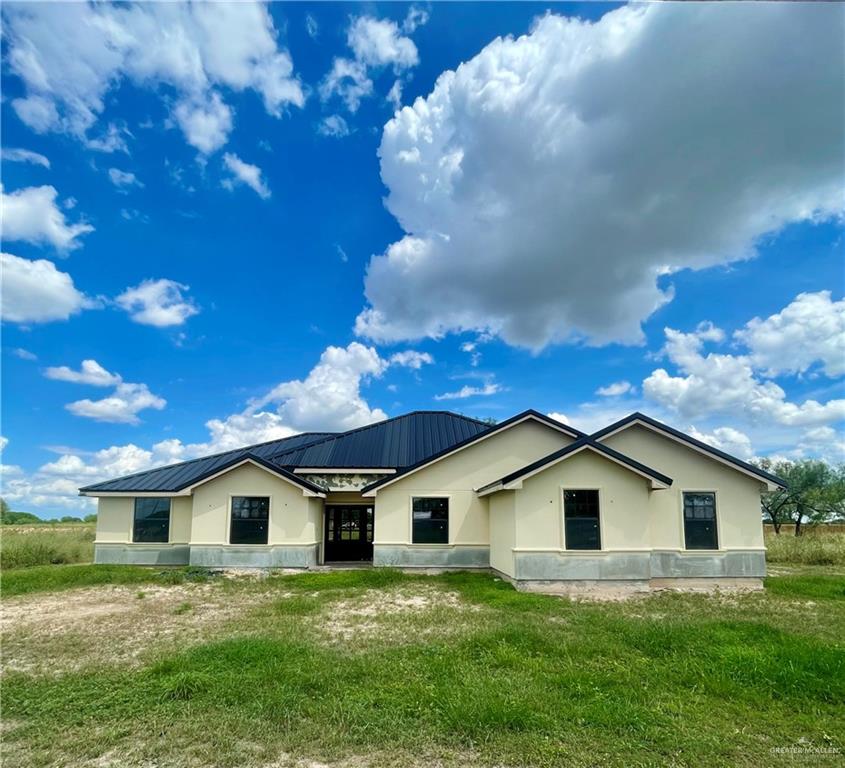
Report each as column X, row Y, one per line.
column 184, row 463
column 336, row 435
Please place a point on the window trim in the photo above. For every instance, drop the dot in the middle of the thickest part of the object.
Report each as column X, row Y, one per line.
column 448, row 496
column 169, row 522
column 719, row 548
column 562, row 518
column 232, row 496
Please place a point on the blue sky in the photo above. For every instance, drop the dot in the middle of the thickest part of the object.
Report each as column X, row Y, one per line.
column 246, row 246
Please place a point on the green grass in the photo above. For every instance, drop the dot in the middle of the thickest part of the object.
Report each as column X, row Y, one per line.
column 496, row 677
column 816, row 546
column 51, row 578
column 24, row 546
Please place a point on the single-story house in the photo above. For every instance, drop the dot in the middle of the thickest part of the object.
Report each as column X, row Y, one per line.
column 537, row 501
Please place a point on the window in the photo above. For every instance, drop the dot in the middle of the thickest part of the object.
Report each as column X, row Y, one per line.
column 581, row 519
column 250, row 518
column 700, row 521
column 430, row 520
column 152, row 520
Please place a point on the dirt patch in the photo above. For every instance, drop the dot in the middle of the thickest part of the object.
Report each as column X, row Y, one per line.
column 392, row 614
column 61, row 632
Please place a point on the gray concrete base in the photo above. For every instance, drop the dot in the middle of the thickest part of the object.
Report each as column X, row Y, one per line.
column 689, row 565
column 272, row 556
column 142, row 554
column 565, row 566
column 410, row 556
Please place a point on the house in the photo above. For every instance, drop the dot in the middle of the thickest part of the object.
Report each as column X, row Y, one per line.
column 540, row 503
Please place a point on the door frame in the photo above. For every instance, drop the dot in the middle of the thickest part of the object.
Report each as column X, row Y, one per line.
column 325, row 537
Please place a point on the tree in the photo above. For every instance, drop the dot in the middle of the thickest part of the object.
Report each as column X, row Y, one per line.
column 92, row 518
column 815, row 493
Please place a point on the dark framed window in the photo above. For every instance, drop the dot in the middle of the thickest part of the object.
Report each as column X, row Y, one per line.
column 430, row 520
column 581, row 519
column 151, row 522
column 250, row 520
column 700, row 521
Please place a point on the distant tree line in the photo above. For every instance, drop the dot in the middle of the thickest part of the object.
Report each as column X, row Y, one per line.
column 10, row 517
column 815, row 493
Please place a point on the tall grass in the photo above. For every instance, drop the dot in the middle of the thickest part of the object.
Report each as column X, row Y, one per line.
column 813, row 547
column 25, row 546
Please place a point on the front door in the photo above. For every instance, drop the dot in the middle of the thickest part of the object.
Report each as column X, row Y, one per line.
column 349, row 533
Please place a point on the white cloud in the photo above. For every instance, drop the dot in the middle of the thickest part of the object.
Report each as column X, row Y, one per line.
column 380, row 43
column 90, row 372
column 121, row 407
column 615, row 390
column 545, row 158
column 36, row 292
column 24, row 354
column 416, row 17
column 726, row 439
column 334, row 126
column 31, row 214
column 490, row 388
column 312, row 27
column 71, row 56
column 123, row 179
column 13, row 155
column 714, row 384
column 394, row 95
column 811, row 329
column 349, row 80
column 157, row 302
column 411, row 359
column 244, row 173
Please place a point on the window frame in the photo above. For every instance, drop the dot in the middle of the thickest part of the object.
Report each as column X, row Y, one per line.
column 715, row 495
column 135, row 501
column 232, row 497
column 448, row 497
column 600, row 492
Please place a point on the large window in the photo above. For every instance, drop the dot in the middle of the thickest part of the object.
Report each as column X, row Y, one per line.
column 700, row 521
column 430, row 520
column 250, row 520
column 152, row 521
column 581, row 519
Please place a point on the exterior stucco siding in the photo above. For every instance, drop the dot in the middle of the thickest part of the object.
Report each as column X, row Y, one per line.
column 502, row 531
column 114, row 519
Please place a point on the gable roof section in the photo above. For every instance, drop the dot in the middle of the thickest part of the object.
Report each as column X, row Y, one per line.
column 514, row 479
column 396, row 443
column 176, row 477
column 641, row 419
column 372, row 488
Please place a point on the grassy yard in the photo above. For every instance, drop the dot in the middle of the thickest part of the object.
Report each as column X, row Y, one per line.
column 23, row 546
column 381, row 668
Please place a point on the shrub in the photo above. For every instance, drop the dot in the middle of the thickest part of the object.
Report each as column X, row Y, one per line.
column 814, row 547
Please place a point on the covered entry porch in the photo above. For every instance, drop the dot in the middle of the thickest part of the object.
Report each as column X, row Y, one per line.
column 348, row 529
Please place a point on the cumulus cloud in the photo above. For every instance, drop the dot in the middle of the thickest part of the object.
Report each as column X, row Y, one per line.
column 71, row 56
column 615, row 390
column 348, row 80
column 13, row 155
column 411, row 359
column 726, row 439
column 244, row 173
column 31, row 214
column 547, row 183
column 157, row 302
column 37, row 292
column 90, row 372
column 334, row 126
column 713, row 384
column 810, row 330
column 490, row 388
column 123, row 179
column 121, row 407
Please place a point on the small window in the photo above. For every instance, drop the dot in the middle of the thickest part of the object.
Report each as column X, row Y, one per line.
column 152, row 521
column 700, row 521
column 431, row 520
column 250, row 520
column 581, row 519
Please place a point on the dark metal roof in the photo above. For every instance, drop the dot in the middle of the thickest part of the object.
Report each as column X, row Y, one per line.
column 676, row 433
column 487, row 431
column 177, row 476
column 392, row 444
column 584, row 442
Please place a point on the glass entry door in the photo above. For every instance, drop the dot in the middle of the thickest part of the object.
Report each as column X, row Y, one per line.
column 349, row 533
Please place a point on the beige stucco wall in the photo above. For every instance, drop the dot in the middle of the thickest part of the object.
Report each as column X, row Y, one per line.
column 293, row 520
column 180, row 519
column 457, row 476
column 623, row 504
column 502, row 531
column 114, row 520
column 738, row 517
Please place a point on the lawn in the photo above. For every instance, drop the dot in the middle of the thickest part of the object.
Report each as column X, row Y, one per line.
column 382, row 668
column 23, row 546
